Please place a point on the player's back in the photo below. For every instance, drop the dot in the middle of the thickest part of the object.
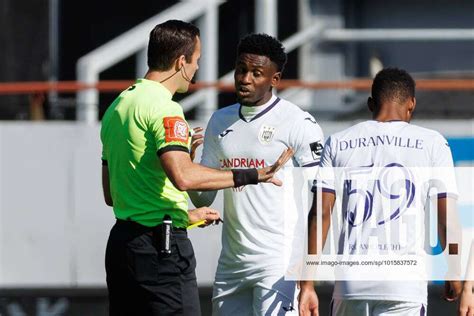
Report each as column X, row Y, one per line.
column 381, row 149
column 380, row 143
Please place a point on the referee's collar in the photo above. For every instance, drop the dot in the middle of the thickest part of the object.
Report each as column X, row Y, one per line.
column 155, row 84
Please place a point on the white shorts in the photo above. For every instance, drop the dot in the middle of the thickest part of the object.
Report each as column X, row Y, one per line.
column 341, row 307
column 264, row 296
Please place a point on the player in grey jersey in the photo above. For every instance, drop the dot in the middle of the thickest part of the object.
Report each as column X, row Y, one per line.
column 386, row 142
column 251, row 133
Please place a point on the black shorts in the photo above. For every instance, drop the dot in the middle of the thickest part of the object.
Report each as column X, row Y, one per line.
column 141, row 281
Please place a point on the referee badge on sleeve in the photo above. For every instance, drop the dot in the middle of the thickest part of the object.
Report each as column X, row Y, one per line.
column 176, row 129
column 266, row 133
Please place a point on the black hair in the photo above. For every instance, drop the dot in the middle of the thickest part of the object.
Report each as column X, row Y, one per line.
column 168, row 41
column 264, row 45
column 392, row 84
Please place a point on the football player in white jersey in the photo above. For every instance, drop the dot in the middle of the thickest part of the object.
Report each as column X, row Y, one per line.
column 387, row 142
column 248, row 134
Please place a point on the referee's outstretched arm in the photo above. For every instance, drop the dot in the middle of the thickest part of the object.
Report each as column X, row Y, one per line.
column 187, row 175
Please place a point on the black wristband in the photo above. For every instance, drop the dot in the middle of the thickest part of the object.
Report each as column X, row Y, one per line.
column 244, row 177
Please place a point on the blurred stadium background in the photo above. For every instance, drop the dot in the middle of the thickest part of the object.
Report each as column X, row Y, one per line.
column 63, row 62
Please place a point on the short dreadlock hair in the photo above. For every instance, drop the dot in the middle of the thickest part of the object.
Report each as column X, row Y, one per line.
column 264, row 45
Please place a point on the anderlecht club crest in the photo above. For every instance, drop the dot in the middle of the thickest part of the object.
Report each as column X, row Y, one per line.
column 265, row 136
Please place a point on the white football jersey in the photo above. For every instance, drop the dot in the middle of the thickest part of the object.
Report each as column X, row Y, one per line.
column 379, row 207
column 253, row 231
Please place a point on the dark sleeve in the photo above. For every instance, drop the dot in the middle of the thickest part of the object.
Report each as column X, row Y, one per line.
column 162, row 150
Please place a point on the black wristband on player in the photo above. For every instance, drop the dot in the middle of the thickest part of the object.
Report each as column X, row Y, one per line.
column 244, row 177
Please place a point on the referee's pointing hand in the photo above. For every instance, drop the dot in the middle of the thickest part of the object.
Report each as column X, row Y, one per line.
column 267, row 174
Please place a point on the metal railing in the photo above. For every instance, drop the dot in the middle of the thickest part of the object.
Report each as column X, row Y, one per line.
column 135, row 41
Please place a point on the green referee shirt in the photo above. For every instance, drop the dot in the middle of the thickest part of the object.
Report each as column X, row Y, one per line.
column 141, row 124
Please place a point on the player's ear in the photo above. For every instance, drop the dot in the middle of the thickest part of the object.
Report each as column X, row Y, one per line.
column 411, row 107
column 370, row 104
column 276, row 79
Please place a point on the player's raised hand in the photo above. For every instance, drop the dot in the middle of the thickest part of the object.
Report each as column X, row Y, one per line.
column 196, row 140
column 206, row 215
column 308, row 303
column 267, row 174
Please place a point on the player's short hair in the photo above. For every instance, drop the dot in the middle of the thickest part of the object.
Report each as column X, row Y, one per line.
column 392, row 84
column 168, row 41
column 264, row 45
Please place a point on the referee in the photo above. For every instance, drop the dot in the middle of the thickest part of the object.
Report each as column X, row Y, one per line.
column 146, row 169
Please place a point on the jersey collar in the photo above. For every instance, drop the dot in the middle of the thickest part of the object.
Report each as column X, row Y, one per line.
column 156, row 84
column 263, row 112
